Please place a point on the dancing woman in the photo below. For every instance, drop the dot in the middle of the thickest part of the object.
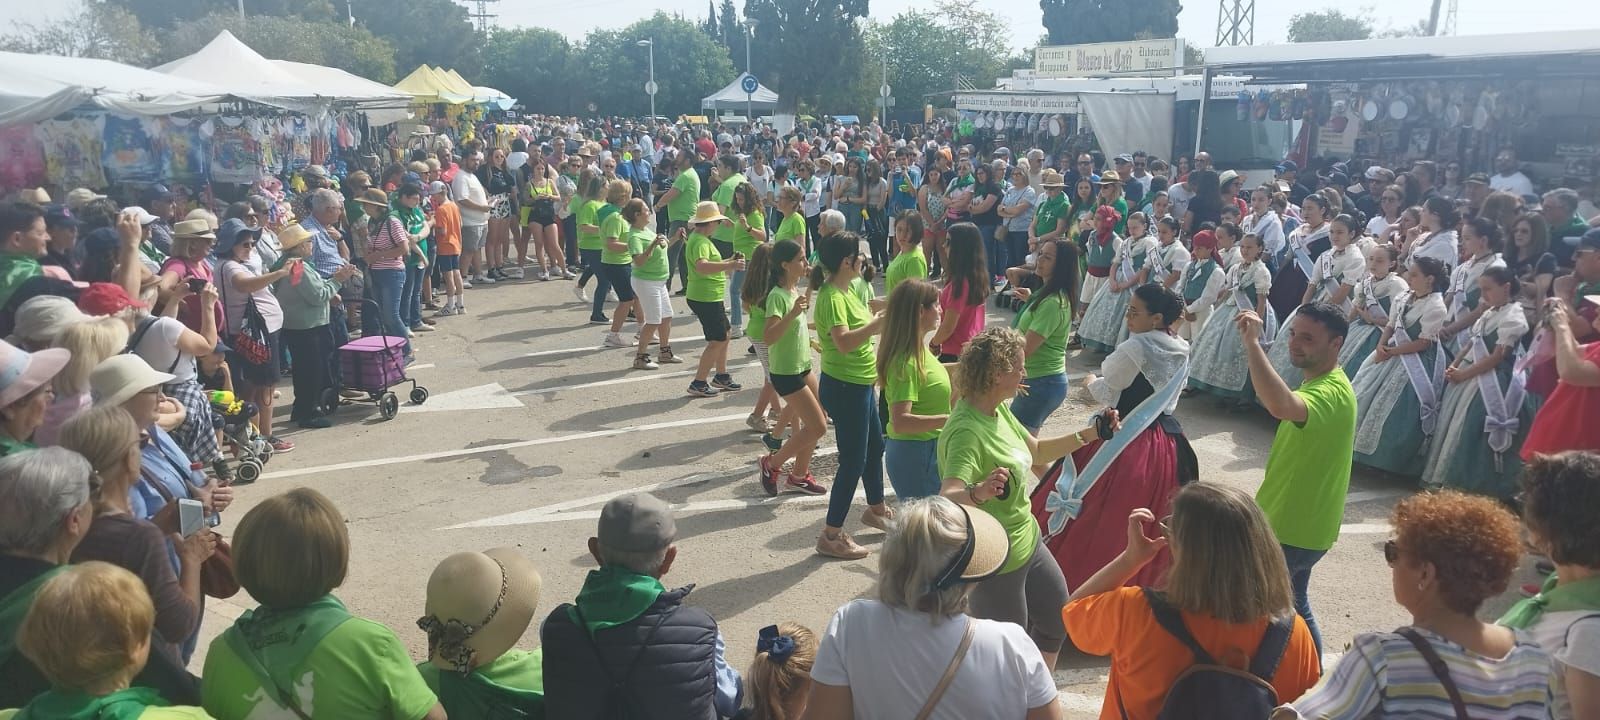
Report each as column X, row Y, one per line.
column 1045, row 323
column 1487, row 410
column 916, row 390
column 1398, row 387
column 788, row 341
column 1143, row 465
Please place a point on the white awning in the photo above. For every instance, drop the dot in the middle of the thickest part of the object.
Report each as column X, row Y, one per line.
column 733, row 97
column 38, row 87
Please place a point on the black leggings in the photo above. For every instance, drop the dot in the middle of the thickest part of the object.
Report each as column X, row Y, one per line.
column 1030, row 596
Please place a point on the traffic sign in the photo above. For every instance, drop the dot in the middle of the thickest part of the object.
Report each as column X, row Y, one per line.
column 883, row 90
column 650, row 87
column 749, row 84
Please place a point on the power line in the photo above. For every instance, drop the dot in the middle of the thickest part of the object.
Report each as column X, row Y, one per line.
column 483, row 16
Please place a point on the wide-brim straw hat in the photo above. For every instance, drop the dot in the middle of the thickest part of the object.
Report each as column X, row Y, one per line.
column 707, row 212
column 22, row 372
column 1051, row 179
column 196, row 228
column 373, row 197
column 293, row 236
column 1110, row 177
column 467, row 586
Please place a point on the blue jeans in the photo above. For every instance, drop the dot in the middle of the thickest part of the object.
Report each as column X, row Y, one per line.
column 854, row 409
column 736, row 283
column 913, row 467
column 602, row 285
column 994, row 250
column 411, row 298
column 1300, row 562
column 387, row 287
column 1045, row 394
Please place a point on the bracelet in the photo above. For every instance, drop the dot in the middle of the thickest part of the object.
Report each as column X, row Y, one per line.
column 972, row 497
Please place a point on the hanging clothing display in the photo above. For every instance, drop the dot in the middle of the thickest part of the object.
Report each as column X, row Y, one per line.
column 187, row 158
column 73, row 151
column 21, row 159
column 235, row 152
column 129, row 153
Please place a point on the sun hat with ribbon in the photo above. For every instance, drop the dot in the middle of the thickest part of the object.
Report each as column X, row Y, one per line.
column 23, row 372
column 479, row 605
column 196, row 228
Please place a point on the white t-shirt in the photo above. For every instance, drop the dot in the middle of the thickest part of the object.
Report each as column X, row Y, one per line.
column 466, row 185
column 1179, row 196
column 1573, row 641
column 1377, row 226
column 1514, row 183
column 233, row 299
column 159, row 348
column 893, row 658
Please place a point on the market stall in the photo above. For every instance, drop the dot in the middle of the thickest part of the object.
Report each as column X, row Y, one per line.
column 734, row 99
column 1447, row 99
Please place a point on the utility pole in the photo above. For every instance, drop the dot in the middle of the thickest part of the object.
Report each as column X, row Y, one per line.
column 749, row 112
column 241, row 9
column 650, row 87
column 883, row 117
column 1236, row 23
column 483, row 16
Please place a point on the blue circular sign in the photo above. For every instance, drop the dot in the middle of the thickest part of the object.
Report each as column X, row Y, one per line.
column 749, row 84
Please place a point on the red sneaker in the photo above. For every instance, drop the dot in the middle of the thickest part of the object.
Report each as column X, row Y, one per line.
column 769, row 475
column 804, row 484
column 280, row 445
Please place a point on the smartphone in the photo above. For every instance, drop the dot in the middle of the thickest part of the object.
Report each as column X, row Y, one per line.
column 196, row 285
column 191, row 517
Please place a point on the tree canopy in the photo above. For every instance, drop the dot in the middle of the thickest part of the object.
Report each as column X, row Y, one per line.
column 1330, row 24
column 96, row 30
column 928, row 49
column 436, row 32
column 546, row 84
column 1073, row 22
column 611, row 69
column 804, row 44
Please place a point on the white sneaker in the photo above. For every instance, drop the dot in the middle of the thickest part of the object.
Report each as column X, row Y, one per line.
column 580, row 294
column 544, row 275
column 446, row 311
column 513, row 273
column 423, row 327
column 568, row 274
column 466, row 284
column 615, row 340
column 483, row 280
column 736, row 332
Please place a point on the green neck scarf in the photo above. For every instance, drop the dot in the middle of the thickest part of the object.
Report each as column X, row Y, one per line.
column 1554, row 597
column 613, row 596
column 126, row 704
column 14, row 607
column 14, row 270
column 475, row 695
column 274, row 643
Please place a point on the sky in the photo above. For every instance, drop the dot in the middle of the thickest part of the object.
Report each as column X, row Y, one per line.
column 1197, row 23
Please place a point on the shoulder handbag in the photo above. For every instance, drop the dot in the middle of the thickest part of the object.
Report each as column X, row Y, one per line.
column 949, row 672
column 250, row 343
column 1439, row 668
column 216, row 572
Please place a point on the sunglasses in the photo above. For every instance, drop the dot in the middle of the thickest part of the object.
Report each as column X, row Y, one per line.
column 1391, row 551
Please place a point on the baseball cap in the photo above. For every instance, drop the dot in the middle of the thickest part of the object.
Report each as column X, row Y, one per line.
column 80, row 197
column 1287, row 166
column 1378, row 172
column 436, row 187
column 59, row 216
column 637, row 522
column 103, row 298
column 157, row 192
column 1590, row 240
column 315, row 171
column 1123, row 159
column 145, row 218
column 1479, row 178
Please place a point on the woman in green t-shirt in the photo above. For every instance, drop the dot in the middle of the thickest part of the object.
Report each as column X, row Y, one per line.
column 1045, row 323
column 789, row 357
column 706, row 293
column 616, row 261
column 908, row 262
column 649, row 281
column 587, row 217
column 916, row 390
column 749, row 230
column 845, row 327
column 984, row 456
column 793, row 225
column 753, row 296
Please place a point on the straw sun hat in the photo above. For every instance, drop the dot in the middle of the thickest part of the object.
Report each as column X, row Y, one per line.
column 479, row 605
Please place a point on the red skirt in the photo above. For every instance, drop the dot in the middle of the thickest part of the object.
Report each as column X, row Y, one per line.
column 1145, row 475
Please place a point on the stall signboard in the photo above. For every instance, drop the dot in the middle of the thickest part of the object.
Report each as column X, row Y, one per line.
column 1134, row 58
column 1018, row 102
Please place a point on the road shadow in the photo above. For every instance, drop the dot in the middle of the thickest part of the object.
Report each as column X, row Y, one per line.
column 527, row 334
column 650, row 411
column 685, row 452
column 733, row 597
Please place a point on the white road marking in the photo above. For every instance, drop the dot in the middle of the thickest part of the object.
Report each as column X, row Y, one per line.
column 482, row 397
column 644, row 376
column 592, row 348
column 442, row 454
column 1370, row 495
column 423, row 366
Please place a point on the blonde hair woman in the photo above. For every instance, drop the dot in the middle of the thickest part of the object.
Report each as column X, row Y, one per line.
column 916, row 389
column 88, row 631
column 290, row 552
column 1228, row 588
column 89, row 342
column 616, row 258
column 108, row 438
column 885, row 656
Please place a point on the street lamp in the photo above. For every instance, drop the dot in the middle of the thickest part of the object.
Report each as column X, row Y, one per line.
column 749, row 113
column 650, row 87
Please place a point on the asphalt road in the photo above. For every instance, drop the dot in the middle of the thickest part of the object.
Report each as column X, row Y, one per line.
column 532, row 427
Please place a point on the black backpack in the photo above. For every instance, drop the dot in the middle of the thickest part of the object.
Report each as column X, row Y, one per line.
column 1209, row 690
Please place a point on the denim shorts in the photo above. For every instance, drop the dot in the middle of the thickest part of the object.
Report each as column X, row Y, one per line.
column 913, row 467
column 446, row 263
column 1045, row 394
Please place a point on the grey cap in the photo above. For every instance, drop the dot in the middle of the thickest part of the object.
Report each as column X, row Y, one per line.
column 637, row 522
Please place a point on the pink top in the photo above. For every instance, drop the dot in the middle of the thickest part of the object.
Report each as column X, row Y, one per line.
column 969, row 321
column 189, row 312
column 388, row 236
column 56, row 414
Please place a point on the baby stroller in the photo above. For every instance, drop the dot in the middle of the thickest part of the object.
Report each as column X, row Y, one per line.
column 372, row 365
column 250, row 448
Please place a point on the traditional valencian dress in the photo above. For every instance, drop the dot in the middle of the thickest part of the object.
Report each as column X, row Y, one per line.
column 1332, row 269
column 1463, row 296
column 1219, row 366
column 1084, row 510
column 1305, row 245
column 1104, row 326
column 1397, row 401
column 1484, row 420
column 1203, row 284
column 1377, row 298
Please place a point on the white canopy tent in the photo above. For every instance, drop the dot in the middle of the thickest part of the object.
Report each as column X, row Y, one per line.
column 381, row 103
column 733, row 97
column 38, row 87
column 491, row 96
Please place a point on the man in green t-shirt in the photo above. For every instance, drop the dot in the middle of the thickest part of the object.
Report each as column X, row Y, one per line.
column 1308, row 468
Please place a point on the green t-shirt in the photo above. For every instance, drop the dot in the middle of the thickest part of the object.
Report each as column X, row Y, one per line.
column 1049, row 213
column 520, row 669
column 1051, row 317
column 928, row 392
column 789, row 354
column 863, row 292
column 971, row 446
column 414, row 220
column 910, row 265
column 172, row 712
column 360, row 670
column 793, row 227
column 589, row 214
column 834, row 308
column 745, row 241
column 655, row 267
column 1308, row 468
column 723, row 196
column 614, row 226
column 755, row 324
column 704, row 287
column 688, row 187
